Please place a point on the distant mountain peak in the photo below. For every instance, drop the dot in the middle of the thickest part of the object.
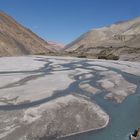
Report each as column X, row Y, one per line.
column 58, row 46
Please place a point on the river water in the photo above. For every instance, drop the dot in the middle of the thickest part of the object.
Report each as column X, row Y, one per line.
column 124, row 117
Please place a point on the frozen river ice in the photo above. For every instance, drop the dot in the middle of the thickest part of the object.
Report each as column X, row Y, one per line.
column 30, row 86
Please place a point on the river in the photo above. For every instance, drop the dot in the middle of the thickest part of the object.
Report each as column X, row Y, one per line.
column 124, row 117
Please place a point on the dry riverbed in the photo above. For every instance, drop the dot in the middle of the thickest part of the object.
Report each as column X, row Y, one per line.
column 50, row 97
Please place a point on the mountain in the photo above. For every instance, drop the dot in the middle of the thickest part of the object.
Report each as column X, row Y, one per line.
column 18, row 40
column 121, row 41
column 56, row 45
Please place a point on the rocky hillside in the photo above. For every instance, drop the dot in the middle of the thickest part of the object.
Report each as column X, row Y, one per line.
column 119, row 41
column 18, row 40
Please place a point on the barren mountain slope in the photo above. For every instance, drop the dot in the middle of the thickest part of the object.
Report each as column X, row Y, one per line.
column 18, row 40
column 119, row 39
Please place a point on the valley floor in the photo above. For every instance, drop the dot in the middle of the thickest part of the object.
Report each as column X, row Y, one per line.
column 46, row 97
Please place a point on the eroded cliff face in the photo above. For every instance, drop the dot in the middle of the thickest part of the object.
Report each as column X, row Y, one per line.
column 119, row 39
column 18, row 40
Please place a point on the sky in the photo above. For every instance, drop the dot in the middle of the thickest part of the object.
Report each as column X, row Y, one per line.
column 65, row 20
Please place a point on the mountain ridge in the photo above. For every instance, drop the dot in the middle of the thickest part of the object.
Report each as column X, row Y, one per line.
column 117, row 39
column 15, row 39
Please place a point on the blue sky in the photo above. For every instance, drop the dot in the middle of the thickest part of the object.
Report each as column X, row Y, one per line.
column 64, row 20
